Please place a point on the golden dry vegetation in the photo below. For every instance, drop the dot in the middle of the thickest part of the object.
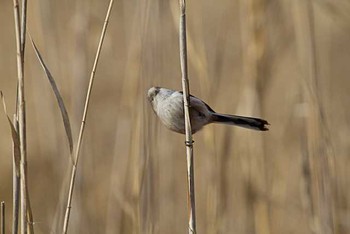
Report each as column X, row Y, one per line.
column 286, row 61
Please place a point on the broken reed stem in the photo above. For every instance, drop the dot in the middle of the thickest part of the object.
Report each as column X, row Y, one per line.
column 82, row 126
column 189, row 141
column 20, row 45
column 2, row 222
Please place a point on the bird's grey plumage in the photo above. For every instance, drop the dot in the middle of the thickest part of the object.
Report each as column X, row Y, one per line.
column 168, row 105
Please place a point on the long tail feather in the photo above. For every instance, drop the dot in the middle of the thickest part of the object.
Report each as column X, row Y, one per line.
column 241, row 121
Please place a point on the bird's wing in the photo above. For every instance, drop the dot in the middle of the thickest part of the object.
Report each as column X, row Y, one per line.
column 193, row 97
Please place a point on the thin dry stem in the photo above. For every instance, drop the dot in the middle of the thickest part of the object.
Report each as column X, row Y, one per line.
column 20, row 42
column 16, row 164
column 189, row 141
column 82, row 126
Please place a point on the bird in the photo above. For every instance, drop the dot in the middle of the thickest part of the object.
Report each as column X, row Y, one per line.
column 168, row 105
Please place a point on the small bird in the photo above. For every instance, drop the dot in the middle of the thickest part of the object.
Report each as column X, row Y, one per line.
column 168, row 105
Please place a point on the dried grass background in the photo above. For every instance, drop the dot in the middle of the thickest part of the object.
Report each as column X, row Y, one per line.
column 286, row 61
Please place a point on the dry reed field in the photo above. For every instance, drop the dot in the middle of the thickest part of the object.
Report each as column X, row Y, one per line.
column 284, row 61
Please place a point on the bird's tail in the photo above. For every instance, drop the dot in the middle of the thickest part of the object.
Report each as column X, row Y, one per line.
column 241, row 121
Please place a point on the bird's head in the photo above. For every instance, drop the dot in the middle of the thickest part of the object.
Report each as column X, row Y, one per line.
column 152, row 93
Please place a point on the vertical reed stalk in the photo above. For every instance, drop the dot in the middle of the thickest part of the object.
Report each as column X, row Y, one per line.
column 20, row 31
column 82, row 126
column 189, row 141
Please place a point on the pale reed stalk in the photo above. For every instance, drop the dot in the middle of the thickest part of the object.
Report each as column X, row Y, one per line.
column 189, row 141
column 20, row 31
column 82, row 126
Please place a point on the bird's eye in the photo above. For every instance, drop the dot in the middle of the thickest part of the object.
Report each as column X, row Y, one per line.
column 152, row 95
column 156, row 91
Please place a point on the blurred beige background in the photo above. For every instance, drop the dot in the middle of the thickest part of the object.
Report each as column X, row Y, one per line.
column 286, row 61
